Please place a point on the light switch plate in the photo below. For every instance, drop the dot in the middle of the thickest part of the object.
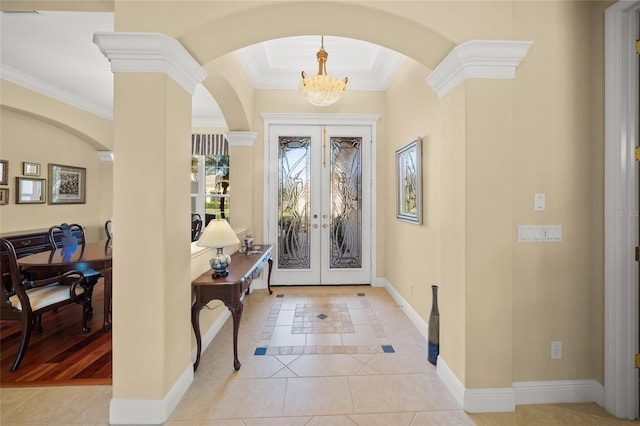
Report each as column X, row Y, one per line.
column 539, row 202
column 539, row 233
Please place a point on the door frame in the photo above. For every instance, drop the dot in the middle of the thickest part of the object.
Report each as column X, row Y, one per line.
column 620, row 203
column 280, row 119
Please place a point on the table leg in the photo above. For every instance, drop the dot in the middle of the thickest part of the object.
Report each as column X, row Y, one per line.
column 270, row 260
column 106, row 324
column 195, row 323
column 236, row 313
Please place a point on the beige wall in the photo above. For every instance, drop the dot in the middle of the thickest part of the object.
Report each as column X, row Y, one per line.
column 24, row 138
column 411, row 111
column 489, row 146
column 453, row 298
column 553, row 153
column 151, row 349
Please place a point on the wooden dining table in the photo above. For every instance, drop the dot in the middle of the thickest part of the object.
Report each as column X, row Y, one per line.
column 95, row 255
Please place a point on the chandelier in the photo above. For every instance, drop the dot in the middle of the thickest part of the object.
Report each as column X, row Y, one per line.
column 322, row 89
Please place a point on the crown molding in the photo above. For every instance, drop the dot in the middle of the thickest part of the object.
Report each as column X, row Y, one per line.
column 264, row 75
column 132, row 52
column 495, row 59
column 33, row 83
column 241, row 138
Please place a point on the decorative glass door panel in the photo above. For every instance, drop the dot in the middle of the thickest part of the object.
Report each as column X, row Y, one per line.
column 318, row 220
column 346, row 203
column 294, row 199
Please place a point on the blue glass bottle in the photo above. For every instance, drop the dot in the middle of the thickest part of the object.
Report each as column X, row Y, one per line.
column 433, row 348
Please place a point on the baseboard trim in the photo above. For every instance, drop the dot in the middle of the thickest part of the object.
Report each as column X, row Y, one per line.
column 125, row 411
column 414, row 317
column 450, row 380
column 490, row 400
column 559, row 391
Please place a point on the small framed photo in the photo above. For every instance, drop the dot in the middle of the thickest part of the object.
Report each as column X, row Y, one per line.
column 4, row 172
column 4, row 196
column 31, row 190
column 409, row 182
column 67, row 184
column 30, row 169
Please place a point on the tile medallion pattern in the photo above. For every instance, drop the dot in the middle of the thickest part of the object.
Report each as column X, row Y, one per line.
column 331, row 319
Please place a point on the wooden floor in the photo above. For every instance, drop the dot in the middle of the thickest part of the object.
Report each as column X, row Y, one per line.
column 62, row 355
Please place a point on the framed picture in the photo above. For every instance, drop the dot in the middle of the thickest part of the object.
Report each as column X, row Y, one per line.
column 4, row 172
column 409, row 182
column 31, row 190
column 67, row 184
column 30, row 169
column 4, row 196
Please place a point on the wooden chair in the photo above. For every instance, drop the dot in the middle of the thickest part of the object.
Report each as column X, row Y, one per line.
column 196, row 226
column 107, row 229
column 71, row 237
column 32, row 298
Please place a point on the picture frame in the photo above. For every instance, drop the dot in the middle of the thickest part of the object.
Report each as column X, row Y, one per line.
column 30, row 169
column 4, row 172
column 4, row 196
column 31, row 190
column 67, row 184
column 409, row 182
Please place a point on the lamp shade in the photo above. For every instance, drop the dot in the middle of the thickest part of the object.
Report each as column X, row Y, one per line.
column 218, row 233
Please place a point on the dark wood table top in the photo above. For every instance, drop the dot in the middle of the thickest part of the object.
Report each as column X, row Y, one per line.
column 96, row 255
column 240, row 264
column 89, row 252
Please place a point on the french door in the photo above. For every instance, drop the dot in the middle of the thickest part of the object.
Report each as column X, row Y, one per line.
column 319, row 202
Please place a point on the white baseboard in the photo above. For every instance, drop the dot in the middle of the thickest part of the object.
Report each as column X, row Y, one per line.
column 489, row 400
column 379, row 282
column 502, row 399
column 450, row 380
column 416, row 319
column 559, row 391
column 150, row 411
column 521, row 393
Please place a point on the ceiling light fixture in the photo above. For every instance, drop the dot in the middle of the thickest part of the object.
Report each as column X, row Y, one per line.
column 322, row 89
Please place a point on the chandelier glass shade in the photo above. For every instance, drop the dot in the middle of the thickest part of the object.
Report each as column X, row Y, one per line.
column 322, row 89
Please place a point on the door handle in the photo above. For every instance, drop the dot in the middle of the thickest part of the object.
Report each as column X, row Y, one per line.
column 315, row 225
column 324, row 225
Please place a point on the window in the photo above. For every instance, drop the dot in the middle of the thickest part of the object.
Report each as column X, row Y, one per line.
column 210, row 190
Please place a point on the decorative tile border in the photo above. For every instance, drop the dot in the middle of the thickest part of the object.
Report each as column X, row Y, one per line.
column 321, row 318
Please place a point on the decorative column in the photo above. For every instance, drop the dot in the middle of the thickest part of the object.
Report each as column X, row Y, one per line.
column 476, row 79
column 154, row 80
column 243, row 177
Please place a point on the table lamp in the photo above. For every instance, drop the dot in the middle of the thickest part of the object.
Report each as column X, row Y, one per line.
column 218, row 234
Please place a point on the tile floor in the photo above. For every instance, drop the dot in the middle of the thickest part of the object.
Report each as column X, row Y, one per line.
column 310, row 356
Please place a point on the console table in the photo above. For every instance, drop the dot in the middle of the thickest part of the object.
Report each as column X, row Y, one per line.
column 242, row 270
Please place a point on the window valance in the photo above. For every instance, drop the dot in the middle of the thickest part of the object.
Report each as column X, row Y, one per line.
column 209, row 144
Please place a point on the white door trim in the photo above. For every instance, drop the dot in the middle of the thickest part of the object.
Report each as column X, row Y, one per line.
column 621, row 211
column 371, row 120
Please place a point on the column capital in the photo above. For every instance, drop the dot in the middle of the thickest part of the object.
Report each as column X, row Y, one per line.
column 138, row 52
column 105, row 155
column 496, row 59
column 241, row 138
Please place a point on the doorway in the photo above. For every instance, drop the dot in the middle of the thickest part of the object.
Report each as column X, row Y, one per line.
column 319, row 209
column 621, row 224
